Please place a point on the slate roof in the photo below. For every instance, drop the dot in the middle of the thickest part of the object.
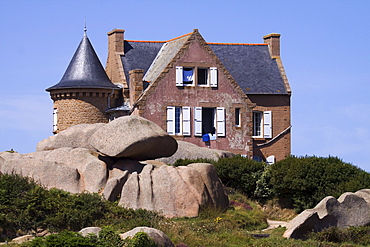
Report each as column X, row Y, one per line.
column 251, row 66
column 139, row 55
column 84, row 70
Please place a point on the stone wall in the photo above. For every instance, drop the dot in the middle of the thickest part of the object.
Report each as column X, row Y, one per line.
column 82, row 106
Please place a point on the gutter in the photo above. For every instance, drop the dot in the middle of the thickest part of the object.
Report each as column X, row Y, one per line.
column 282, row 132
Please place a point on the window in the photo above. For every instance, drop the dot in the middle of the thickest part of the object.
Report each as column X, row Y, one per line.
column 202, row 77
column 209, row 120
column 178, row 120
column 55, row 119
column 186, row 76
column 262, row 124
column 237, row 117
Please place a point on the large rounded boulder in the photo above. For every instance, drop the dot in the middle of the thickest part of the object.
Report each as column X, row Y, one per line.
column 133, row 137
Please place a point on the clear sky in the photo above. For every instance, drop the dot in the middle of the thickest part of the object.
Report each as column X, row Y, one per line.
column 324, row 49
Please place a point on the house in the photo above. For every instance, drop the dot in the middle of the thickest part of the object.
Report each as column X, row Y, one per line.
column 236, row 94
column 233, row 97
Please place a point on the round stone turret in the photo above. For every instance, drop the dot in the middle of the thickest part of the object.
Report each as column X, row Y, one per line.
column 85, row 92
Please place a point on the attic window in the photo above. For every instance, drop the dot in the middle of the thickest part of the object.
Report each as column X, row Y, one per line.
column 202, row 77
column 188, row 75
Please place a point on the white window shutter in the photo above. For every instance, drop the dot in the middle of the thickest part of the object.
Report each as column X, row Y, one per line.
column 270, row 160
column 186, row 121
column 198, row 121
column 221, row 126
column 267, row 124
column 213, row 72
column 171, row 120
column 179, row 74
column 55, row 119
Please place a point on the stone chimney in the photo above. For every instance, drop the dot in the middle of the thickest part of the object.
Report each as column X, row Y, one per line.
column 114, row 67
column 273, row 41
column 136, row 84
column 115, row 40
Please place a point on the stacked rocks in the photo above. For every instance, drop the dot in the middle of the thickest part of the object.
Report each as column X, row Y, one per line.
column 115, row 159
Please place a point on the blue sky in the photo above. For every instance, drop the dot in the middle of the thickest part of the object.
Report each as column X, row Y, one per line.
column 323, row 48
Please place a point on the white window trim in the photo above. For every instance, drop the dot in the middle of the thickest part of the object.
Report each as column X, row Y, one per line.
column 219, row 121
column 265, row 124
column 55, row 119
column 212, row 77
column 208, row 78
column 185, row 129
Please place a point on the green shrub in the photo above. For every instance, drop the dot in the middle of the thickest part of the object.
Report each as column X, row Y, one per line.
column 307, row 180
column 62, row 239
column 240, row 173
column 185, row 162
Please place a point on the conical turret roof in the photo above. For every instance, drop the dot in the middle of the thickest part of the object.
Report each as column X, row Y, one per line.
column 84, row 70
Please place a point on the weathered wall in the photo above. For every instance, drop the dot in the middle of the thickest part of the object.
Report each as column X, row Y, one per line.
column 165, row 93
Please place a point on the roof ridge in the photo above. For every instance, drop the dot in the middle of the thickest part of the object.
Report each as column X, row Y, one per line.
column 145, row 41
column 213, row 43
column 179, row 37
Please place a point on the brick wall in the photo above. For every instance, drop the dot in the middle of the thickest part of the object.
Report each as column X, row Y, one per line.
column 280, row 107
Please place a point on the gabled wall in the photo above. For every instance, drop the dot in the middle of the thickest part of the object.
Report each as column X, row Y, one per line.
column 164, row 92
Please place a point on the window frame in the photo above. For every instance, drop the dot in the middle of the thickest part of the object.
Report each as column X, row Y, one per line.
column 238, row 118
column 211, row 76
column 257, row 127
column 264, row 126
column 178, row 125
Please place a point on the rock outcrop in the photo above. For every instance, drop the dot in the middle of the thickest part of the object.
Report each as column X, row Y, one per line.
column 133, row 137
column 108, row 158
column 158, row 236
column 67, row 138
column 351, row 209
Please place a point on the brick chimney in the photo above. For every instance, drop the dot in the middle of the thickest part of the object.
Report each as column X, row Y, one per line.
column 136, row 84
column 273, row 41
column 114, row 67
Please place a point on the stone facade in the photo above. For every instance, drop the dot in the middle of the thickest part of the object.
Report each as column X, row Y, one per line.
column 84, row 106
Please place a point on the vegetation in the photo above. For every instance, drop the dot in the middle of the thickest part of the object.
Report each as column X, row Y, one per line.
column 297, row 182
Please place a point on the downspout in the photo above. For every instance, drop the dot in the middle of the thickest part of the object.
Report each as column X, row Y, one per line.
column 110, row 95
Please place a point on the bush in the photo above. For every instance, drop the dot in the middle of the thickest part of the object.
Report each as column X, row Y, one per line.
column 307, row 180
column 25, row 206
column 240, row 173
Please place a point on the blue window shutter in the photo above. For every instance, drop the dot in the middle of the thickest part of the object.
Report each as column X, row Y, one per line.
column 186, row 121
column 171, row 120
column 179, row 79
column 213, row 72
column 267, row 124
column 198, row 121
column 221, row 126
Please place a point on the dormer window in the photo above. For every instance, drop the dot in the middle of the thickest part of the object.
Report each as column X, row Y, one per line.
column 196, row 76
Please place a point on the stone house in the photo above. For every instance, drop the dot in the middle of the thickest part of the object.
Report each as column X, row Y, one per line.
column 229, row 96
